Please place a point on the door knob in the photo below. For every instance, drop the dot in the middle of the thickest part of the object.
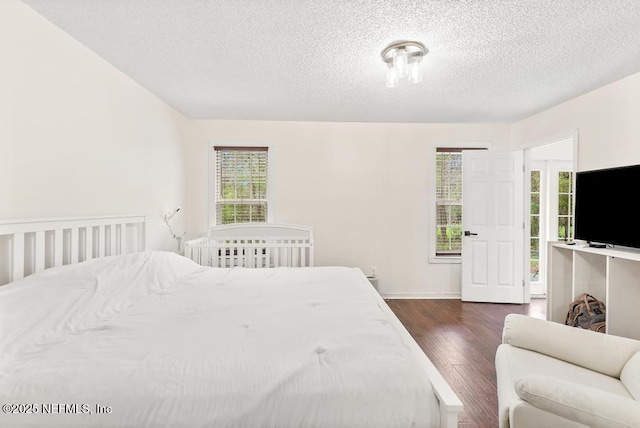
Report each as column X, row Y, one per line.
column 467, row 233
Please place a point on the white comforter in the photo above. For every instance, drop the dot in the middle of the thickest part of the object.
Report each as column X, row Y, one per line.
column 153, row 339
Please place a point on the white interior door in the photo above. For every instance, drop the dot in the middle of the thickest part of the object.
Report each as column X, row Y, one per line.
column 493, row 222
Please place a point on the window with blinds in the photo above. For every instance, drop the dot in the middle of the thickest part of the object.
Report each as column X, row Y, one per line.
column 241, row 184
column 449, row 200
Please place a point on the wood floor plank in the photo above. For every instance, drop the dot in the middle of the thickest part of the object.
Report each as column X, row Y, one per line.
column 461, row 339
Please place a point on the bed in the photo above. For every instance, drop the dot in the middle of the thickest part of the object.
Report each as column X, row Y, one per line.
column 138, row 338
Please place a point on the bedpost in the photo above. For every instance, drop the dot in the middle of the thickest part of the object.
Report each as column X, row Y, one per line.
column 448, row 417
column 143, row 234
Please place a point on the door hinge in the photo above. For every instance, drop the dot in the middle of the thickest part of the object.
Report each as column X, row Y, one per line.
column 523, row 282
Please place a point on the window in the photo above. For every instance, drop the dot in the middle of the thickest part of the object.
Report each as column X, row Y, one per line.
column 448, row 202
column 445, row 245
column 240, row 184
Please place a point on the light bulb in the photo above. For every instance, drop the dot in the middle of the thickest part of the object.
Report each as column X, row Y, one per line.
column 415, row 73
column 400, row 62
column 392, row 77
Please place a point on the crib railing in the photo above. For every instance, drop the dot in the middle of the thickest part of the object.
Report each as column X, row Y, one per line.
column 252, row 253
column 254, row 246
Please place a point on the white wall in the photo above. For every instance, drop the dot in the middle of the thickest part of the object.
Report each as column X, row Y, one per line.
column 606, row 120
column 560, row 151
column 77, row 136
column 364, row 187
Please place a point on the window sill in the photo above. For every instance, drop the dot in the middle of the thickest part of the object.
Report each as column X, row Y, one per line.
column 445, row 260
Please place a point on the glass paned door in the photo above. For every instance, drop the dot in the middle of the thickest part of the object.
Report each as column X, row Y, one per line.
column 534, row 261
column 550, row 205
column 565, row 205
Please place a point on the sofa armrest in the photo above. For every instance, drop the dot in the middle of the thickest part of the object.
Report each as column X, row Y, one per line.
column 586, row 405
column 603, row 353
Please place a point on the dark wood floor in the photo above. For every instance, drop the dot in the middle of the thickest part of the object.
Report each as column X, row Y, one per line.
column 461, row 339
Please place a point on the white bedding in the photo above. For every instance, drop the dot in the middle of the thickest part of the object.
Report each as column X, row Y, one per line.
column 167, row 343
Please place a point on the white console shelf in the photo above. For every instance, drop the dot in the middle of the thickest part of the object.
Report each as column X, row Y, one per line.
column 609, row 274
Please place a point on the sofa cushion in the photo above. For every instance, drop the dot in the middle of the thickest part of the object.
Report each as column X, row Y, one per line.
column 525, row 415
column 513, row 363
column 630, row 376
column 604, row 353
column 522, row 362
column 577, row 402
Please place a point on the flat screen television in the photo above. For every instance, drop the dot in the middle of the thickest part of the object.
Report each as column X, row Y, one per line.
column 605, row 206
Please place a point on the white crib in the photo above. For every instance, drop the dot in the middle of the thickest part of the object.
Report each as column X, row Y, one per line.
column 254, row 245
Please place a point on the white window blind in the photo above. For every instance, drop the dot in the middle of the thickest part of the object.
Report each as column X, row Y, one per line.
column 241, row 184
column 449, row 200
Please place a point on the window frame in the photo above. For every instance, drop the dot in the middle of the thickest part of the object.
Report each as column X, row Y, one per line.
column 571, row 200
column 212, row 174
column 554, row 168
column 432, row 235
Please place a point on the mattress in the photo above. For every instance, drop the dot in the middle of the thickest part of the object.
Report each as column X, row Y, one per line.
column 153, row 339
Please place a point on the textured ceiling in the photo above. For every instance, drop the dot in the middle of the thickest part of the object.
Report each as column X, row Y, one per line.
column 319, row 60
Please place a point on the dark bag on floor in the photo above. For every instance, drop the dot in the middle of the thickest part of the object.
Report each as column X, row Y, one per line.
column 587, row 312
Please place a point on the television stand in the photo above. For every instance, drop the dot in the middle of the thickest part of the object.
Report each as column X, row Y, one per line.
column 609, row 274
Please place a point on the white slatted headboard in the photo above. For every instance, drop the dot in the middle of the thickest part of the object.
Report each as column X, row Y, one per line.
column 254, row 245
column 32, row 245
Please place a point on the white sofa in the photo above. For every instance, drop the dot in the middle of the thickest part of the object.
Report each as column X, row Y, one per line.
column 552, row 375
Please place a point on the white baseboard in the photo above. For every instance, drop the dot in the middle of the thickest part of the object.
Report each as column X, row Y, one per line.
column 424, row 295
column 435, row 296
column 538, row 296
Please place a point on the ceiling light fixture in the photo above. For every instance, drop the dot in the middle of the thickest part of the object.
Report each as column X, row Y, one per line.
column 403, row 60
